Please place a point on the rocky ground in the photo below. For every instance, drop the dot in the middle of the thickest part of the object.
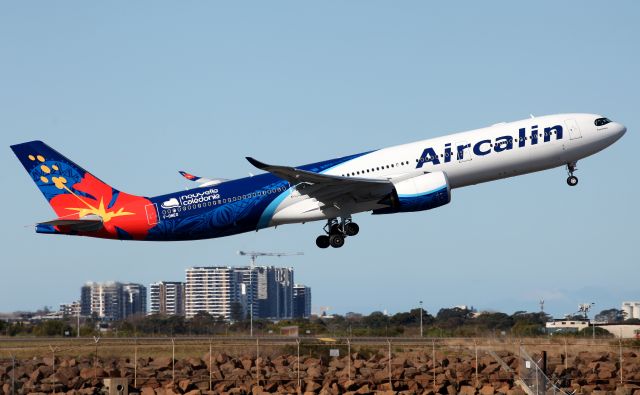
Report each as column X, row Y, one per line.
column 586, row 372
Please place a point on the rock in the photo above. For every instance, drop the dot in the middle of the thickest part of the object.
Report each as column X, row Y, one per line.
column 49, row 361
column 314, row 372
column 467, row 390
column 196, row 363
column 184, row 385
column 88, row 373
column 193, row 392
column 35, row 376
column 162, row 363
column 349, row 385
column 222, row 358
column 311, row 386
column 364, row 390
column 147, row 391
column 381, row 376
column 487, row 390
column 247, row 363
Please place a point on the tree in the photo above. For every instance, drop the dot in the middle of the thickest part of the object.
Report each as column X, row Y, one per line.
column 494, row 321
column 610, row 316
column 51, row 328
column 453, row 318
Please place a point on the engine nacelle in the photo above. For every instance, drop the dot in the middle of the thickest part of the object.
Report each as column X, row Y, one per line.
column 422, row 192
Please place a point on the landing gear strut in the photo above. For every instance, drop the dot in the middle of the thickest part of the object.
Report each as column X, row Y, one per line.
column 572, row 180
column 336, row 231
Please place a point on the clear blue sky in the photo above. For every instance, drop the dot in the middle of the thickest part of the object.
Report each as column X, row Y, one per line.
column 136, row 91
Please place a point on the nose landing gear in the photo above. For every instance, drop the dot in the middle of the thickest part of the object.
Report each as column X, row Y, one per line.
column 336, row 231
column 572, row 180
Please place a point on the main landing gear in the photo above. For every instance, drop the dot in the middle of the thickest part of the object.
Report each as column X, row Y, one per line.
column 572, row 180
column 336, row 231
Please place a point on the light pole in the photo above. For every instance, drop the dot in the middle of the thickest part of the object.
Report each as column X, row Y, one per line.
column 78, row 320
column 420, row 318
column 251, row 299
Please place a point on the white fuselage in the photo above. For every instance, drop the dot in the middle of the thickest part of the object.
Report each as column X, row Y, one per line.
column 498, row 151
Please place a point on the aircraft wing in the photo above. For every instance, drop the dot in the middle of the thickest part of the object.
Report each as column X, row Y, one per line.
column 329, row 189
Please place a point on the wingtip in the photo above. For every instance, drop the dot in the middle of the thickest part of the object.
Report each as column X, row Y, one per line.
column 256, row 162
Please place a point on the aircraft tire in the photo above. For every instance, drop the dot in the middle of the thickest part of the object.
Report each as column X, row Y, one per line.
column 572, row 181
column 323, row 241
column 351, row 229
column 336, row 241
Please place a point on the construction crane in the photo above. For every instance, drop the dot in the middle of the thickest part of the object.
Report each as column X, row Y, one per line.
column 254, row 255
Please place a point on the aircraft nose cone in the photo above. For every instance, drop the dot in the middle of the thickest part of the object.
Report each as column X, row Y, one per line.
column 619, row 130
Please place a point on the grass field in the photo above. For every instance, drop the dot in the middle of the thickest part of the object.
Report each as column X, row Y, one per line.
column 181, row 347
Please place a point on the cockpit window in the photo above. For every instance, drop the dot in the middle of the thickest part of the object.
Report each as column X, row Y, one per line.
column 602, row 121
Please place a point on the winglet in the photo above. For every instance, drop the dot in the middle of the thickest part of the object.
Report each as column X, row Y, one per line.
column 257, row 163
column 188, row 176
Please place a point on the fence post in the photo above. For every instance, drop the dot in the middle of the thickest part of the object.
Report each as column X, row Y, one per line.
column 433, row 358
column 13, row 374
column 566, row 355
column 349, row 359
column 390, row 384
column 135, row 362
column 53, row 353
column 95, row 358
column 475, row 346
column 173, row 360
column 620, row 345
column 257, row 366
column 298, row 364
column 210, row 362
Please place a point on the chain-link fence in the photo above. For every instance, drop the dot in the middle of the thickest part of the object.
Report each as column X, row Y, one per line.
column 310, row 364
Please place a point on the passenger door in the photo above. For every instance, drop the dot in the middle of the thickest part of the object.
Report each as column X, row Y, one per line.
column 574, row 130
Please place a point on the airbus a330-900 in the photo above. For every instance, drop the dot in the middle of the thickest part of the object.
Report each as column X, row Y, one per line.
column 404, row 178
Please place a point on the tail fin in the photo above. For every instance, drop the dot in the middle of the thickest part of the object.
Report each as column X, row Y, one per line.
column 74, row 193
column 53, row 173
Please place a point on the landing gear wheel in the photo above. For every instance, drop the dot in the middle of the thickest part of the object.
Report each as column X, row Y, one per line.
column 572, row 181
column 351, row 229
column 336, row 241
column 323, row 241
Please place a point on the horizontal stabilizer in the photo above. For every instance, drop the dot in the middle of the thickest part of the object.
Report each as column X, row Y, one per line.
column 204, row 182
column 90, row 223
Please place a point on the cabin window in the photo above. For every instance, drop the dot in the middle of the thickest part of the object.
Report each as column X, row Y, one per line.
column 602, row 121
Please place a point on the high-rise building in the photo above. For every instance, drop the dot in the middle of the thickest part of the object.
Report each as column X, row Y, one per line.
column 275, row 292
column 135, row 299
column 211, row 289
column 233, row 293
column 167, row 298
column 248, row 291
column 106, row 300
column 113, row 300
column 301, row 301
column 631, row 310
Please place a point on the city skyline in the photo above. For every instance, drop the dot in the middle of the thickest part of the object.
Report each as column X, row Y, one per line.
column 136, row 96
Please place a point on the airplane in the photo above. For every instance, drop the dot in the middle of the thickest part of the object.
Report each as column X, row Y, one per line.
column 403, row 178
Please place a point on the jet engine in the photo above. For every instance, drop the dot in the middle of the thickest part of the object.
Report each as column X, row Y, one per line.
column 422, row 192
